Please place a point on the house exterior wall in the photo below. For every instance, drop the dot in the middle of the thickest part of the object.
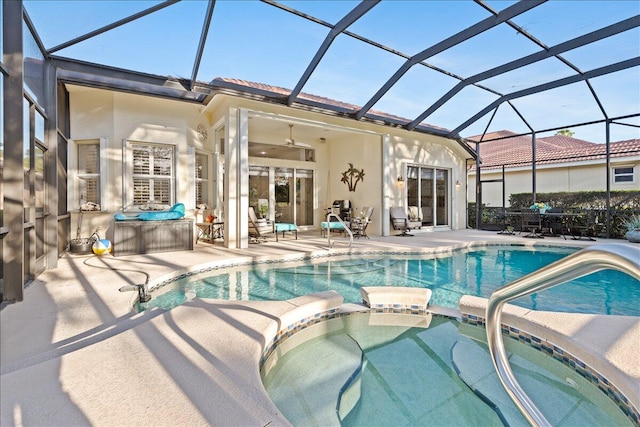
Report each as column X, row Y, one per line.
column 119, row 117
column 580, row 176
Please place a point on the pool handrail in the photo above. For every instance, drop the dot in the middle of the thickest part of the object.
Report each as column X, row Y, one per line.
column 344, row 226
column 616, row 256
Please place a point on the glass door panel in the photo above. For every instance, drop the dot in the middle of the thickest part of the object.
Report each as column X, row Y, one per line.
column 284, row 195
column 259, row 190
column 413, row 189
column 442, row 191
column 426, row 196
column 304, row 196
column 428, row 189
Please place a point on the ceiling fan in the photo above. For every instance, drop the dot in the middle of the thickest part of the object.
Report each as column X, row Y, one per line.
column 292, row 142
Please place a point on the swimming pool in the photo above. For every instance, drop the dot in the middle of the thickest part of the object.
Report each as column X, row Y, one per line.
column 476, row 271
column 380, row 369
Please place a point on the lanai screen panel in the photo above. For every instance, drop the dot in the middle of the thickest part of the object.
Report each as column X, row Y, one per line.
column 274, row 43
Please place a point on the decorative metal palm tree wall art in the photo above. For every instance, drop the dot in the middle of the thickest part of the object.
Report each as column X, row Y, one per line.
column 352, row 176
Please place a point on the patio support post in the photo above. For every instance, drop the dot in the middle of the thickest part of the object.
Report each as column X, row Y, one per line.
column 13, row 171
column 608, row 174
column 533, row 167
column 388, row 182
column 478, row 190
column 504, row 190
column 242, row 170
column 236, row 175
column 51, row 179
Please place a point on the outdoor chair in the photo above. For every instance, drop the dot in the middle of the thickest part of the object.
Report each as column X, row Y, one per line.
column 582, row 225
column 503, row 218
column 532, row 222
column 359, row 225
column 400, row 221
column 414, row 215
column 555, row 220
column 259, row 229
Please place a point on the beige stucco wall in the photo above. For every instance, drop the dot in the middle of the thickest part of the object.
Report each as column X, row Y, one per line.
column 122, row 117
column 382, row 152
column 588, row 176
column 364, row 147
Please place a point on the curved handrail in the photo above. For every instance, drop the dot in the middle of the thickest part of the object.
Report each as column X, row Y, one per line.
column 345, row 226
column 617, row 256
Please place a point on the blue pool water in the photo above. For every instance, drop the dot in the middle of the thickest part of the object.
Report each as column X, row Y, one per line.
column 377, row 370
column 473, row 272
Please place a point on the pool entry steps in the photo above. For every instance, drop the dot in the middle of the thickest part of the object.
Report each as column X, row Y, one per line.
column 393, row 299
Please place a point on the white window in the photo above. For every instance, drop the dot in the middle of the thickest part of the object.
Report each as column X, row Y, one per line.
column 623, row 174
column 202, row 179
column 87, row 173
column 153, row 175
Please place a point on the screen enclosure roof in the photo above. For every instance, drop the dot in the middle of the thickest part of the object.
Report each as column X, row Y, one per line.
column 453, row 68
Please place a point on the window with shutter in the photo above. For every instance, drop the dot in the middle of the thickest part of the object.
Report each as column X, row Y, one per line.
column 88, row 172
column 153, row 176
column 202, row 179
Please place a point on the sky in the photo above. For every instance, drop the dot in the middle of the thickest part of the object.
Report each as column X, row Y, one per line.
column 254, row 41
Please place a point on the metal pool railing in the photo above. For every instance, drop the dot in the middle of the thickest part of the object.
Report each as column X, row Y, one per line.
column 344, row 226
column 616, row 256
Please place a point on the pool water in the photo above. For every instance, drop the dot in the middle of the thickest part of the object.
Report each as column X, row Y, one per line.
column 473, row 272
column 381, row 369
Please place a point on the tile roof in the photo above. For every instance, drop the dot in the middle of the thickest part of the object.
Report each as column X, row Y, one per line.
column 319, row 101
column 516, row 151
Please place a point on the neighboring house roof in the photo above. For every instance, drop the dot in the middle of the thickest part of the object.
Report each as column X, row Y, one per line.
column 516, row 151
column 279, row 95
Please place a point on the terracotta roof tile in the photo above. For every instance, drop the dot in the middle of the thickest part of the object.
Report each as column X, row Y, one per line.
column 516, row 151
column 352, row 108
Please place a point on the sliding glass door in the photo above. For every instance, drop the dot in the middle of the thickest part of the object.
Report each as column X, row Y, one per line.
column 428, row 189
column 282, row 194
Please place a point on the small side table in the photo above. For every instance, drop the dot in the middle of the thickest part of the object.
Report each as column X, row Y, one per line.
column 209, row 231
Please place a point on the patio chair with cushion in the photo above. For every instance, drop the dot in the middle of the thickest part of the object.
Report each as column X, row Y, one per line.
column 400, row 221
column 359, row 225
column 259, row 229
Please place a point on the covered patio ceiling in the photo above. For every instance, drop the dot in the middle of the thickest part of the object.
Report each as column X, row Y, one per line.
column 456, row 69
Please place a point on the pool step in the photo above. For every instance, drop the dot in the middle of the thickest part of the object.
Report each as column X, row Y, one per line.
column 548, row 386
column 400, row 379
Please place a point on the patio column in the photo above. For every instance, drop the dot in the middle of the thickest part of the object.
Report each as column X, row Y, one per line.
column 388, row 182
column 236, row 177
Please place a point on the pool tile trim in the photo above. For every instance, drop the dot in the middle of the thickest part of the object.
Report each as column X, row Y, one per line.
column 567, row 359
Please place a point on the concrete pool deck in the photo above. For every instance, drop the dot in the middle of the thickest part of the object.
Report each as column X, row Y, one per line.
column 74, row 353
